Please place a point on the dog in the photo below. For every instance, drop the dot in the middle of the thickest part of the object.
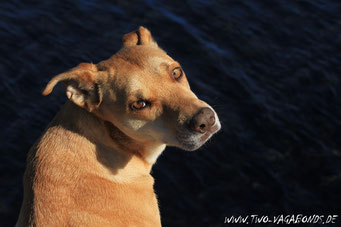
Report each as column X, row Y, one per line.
column 91, row 166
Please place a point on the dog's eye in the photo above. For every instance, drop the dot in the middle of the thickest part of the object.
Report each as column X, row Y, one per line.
column 177, row 73
column 139, row 105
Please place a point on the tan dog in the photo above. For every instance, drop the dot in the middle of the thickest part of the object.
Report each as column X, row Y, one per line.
column 91, row 167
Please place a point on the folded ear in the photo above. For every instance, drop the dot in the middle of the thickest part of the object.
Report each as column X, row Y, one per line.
column 140, row 37
column 82, row 85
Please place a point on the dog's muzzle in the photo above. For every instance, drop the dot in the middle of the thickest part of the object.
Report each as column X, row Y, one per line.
column 198, row 129
column 202, row 121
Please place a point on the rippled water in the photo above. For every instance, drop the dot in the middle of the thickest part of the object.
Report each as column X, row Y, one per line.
column 271, row 69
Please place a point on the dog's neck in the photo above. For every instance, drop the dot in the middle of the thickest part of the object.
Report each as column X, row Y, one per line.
column 112, row 141
column 147, row 151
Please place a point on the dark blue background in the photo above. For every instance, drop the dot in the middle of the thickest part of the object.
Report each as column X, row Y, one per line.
column 270, row 68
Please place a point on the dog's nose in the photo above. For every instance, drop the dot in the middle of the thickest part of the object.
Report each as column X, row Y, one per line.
column 203, row 120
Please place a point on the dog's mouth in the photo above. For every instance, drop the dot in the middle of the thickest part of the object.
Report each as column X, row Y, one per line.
column 191, row 141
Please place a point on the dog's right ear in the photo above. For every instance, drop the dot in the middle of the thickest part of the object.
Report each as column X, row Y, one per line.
column 82, row 85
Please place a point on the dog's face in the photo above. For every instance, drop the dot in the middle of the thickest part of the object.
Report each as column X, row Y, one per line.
column 144, row 93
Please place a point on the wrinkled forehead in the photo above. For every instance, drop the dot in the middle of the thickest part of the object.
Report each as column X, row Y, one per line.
column 139, row 65
column 145, row 58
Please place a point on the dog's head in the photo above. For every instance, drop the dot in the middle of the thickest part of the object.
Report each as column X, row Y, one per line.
column 144, row 93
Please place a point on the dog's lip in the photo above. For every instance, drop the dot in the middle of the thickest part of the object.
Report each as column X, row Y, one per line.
column 213, row 130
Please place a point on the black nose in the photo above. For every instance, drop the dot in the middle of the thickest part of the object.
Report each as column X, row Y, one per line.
column 203, row 120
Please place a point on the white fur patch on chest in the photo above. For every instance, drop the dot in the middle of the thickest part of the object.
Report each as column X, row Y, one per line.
column 153, row 153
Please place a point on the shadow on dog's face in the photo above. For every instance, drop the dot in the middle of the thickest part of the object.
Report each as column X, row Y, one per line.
column 144, row 93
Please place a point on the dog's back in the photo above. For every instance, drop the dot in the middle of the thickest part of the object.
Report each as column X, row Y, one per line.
column 67, row 183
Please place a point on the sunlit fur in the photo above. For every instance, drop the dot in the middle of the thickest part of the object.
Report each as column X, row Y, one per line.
column 91, row 166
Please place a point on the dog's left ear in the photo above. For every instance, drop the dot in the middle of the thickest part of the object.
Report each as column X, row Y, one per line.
column 140, row 37
column 82, row 85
